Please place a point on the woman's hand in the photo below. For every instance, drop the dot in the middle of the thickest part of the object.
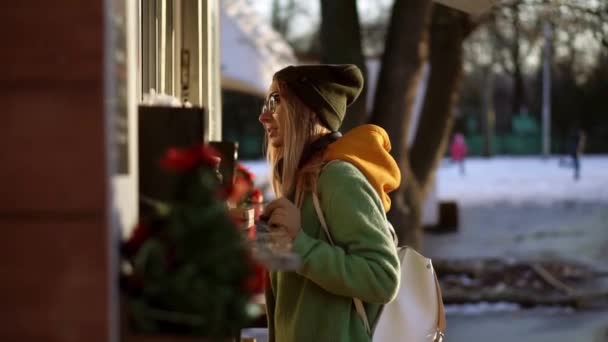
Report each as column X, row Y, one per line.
column 282, row 213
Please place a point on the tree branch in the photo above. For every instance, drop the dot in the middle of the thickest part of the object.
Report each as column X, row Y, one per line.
column 449, row 28
column 405, row 50
column 341, row 43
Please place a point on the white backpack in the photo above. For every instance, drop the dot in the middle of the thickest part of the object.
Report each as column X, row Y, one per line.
column 416, row 314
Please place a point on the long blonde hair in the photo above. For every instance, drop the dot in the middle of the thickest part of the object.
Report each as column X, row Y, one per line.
column 299, row 126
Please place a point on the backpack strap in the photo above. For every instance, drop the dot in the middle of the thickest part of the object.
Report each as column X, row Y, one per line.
column 441, row 323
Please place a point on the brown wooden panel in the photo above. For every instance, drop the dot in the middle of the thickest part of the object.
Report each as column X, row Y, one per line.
column 54, row 263
column 54, row 284
column 53, row 149
column 51, row 40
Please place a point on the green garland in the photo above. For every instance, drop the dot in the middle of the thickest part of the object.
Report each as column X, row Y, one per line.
column 187, row 266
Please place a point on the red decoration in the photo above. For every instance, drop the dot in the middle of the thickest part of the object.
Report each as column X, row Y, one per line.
column 238, row 190
column 138, row 237
column 244, row 172
column 209, row 156
column 179, row 160
column 186, row 159
column 251, row 233
column 256, row 196
column 256, row 283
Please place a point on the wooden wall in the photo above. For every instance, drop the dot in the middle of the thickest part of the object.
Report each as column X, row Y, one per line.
column 54, row 278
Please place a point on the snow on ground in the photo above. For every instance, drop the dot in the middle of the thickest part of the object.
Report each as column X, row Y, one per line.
column 526, row 207
column 523, row 180
column 509, row 179
column 520, row 207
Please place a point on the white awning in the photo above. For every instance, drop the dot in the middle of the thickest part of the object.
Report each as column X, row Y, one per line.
column 251, row 51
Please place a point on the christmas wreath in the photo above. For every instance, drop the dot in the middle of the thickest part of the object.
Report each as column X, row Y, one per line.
column 187, row 269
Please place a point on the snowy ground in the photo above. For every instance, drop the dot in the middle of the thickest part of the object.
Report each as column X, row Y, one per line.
column 523, row 180
column 526, row 208
column 510, row 179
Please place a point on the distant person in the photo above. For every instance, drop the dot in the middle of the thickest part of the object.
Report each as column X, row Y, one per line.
column 575, row 150
column 458, row 151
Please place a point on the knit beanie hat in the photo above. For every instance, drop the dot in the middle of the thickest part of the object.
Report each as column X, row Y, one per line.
column 326, row 88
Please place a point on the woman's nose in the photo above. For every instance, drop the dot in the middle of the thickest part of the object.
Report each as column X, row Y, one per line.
column 264, row 117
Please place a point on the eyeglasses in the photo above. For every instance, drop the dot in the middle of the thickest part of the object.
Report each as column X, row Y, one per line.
column 270, row 104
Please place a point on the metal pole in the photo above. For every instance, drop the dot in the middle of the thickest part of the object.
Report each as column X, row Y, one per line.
column 546, row 105
column 214, row 91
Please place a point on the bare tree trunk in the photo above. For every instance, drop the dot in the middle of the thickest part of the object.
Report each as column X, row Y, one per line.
column 488, row 114
column 404, row 53
column 519, row 93
column 281, row 16
column 341, row 43
column 449, row 28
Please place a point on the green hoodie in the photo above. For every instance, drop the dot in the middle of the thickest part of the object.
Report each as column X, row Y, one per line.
column 315, row 302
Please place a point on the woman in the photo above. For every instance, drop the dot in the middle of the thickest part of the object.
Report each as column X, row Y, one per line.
column 301, row 116
column 459, row 150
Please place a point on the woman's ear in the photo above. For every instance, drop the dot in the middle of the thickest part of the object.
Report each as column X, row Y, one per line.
column 318, row 124
column 316, row 120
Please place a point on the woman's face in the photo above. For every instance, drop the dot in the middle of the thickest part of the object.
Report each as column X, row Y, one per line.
column 271, row 112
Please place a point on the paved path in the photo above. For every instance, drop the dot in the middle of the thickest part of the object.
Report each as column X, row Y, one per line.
column 572, row 230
